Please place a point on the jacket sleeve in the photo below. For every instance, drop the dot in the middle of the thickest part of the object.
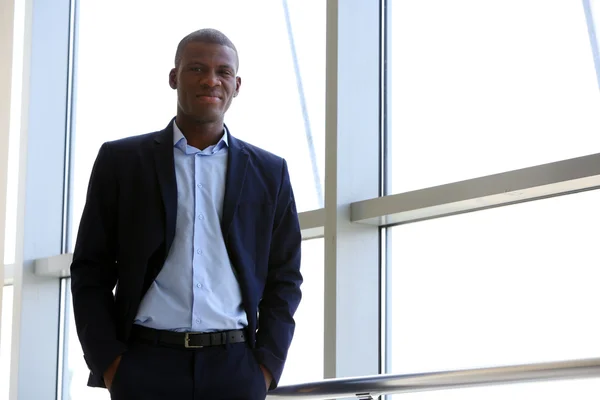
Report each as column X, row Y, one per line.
column 94, row 270
column 282, row 294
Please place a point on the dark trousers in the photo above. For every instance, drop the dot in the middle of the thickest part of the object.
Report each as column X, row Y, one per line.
column 149, row 372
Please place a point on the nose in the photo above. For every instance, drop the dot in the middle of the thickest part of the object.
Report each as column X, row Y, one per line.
column 211, row 79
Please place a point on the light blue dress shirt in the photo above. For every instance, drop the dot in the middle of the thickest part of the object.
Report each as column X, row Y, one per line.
column 196, row 290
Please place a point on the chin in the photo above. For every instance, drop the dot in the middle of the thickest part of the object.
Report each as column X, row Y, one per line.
column 207, row 119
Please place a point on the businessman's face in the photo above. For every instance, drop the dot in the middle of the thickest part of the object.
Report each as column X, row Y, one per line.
column 206, row 81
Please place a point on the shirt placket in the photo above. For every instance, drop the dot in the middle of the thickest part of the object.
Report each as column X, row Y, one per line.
column 198, row 278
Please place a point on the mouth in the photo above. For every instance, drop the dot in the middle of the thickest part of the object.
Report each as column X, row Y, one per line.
column 208, row 98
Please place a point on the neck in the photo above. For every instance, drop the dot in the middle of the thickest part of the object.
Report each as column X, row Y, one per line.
column 200, row 134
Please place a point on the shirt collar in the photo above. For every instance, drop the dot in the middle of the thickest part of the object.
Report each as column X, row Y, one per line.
column 180, row 140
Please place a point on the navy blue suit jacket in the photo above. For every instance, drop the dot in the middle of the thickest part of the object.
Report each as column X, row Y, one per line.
column 128, row 225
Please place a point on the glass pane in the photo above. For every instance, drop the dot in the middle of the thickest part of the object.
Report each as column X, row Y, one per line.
column 5, row 341
column 75, row 370
column 510, row 285
column 482, row 87
column 14, row 134
column 126, row 81
column 305, row 357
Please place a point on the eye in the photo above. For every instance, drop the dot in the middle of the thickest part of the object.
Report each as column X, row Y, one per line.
column 226, row 72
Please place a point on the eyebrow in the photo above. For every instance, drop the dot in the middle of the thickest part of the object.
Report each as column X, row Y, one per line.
column 226, row 66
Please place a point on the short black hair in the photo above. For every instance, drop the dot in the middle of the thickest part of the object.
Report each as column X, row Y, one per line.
column 207, row 35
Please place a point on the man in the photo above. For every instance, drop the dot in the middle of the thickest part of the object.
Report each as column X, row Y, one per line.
column 199, row 232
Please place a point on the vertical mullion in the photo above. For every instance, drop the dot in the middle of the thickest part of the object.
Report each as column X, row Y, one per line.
column 352, row 170
column 6, row 55
column 69, row 119
column 61, row 391
column 331, row 126
column 41, row 198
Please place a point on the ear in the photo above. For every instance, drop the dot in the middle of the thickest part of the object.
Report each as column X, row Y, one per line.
column 173, row 78
column 238, row 83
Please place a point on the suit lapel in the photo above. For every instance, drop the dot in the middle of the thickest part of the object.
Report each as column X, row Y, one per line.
column 165, row 171
column 236, row 173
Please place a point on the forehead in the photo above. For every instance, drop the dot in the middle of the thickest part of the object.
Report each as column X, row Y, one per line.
column 212, row 53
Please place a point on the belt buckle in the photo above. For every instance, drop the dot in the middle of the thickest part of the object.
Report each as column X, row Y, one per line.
column 187, row 342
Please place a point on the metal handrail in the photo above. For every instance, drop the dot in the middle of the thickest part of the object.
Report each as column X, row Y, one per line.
column 369, row 387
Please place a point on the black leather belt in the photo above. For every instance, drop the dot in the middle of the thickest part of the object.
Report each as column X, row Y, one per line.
column 188, row 340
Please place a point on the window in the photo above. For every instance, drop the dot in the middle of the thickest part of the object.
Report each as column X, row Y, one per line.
column 482, row 87
column 75, row 370
column 305, row 358
column 5, row 341
column 14, row 134
column 510, row 285
column 122, row 79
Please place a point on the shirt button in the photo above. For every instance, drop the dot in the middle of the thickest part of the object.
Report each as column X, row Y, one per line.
column 199, row 252
column 199, row 186
column 200, row 217
column 197, row 321
column 199, row 285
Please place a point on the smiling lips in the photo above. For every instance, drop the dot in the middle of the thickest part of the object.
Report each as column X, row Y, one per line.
column 208, row 98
